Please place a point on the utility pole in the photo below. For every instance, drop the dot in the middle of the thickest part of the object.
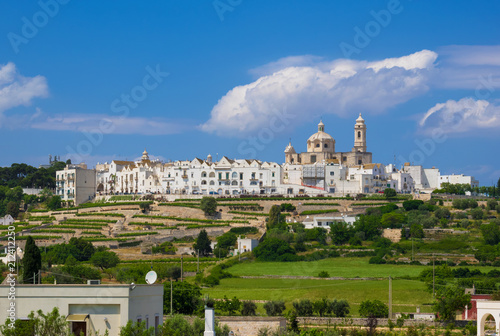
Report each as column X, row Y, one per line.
column 34, row 278
column 390, row 297
column 198, row 264
column 171, row 298
column 182, row 268
column 39, row 275
column 433, row 277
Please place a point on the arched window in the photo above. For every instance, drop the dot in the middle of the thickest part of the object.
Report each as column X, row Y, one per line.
column 204, row 174
column 235, row 183
column 212, row 183
column 317, row 145
column 212, row 174
column 359, row 134
column 203, row 182
column 234, row 175
column 326, row 146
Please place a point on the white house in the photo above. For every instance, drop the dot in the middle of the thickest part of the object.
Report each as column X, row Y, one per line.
column 88, row 308
column 325, row 222
column 246, row 245
column 6, row 220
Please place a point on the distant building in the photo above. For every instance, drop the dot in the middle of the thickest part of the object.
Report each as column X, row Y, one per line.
column 6, row 220
column 90, row 308
column 458, row 179
column 246, row 245
column 76, row 184
column 321, row 148
column 326, row 221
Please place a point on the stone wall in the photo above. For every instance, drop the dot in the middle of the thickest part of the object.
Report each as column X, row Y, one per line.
column 250, row 325
column 325, row 321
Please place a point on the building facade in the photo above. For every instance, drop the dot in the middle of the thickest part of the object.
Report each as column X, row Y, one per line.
column 89, row 308
column 76, row 184
column 321, row 148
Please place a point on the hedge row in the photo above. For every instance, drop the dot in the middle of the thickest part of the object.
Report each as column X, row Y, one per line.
column 315, row 212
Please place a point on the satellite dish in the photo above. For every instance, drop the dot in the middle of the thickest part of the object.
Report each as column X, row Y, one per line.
column 151, row 277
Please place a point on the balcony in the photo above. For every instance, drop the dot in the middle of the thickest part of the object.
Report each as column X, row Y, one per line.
column 184, row 176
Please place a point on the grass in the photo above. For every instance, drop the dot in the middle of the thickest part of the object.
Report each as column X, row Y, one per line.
column 407, row 294
column 108, row 214
column 336, row 267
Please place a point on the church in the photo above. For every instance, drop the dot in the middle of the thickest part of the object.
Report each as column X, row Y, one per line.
column 321, row 148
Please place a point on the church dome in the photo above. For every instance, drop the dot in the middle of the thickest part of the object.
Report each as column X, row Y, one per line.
column 360, row 119
column 320, row 135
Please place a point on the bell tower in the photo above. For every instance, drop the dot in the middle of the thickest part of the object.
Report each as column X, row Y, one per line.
column 359, row 135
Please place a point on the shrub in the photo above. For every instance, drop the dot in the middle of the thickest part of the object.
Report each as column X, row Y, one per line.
column 324, row 274
column 303, row 307
column 287, row 207
column 375, row 308
column 274, row 308
column 477, row 213
column 248, row 308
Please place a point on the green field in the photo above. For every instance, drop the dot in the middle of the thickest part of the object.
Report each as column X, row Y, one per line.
column 407, row 294
column 336, row 267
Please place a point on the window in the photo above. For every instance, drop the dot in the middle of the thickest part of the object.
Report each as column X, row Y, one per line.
column 326, row 146
column 344, row 159
column 227, row 176
column 359, row 134
column 220, row 176
column 332, row 173
column 241, row 176
column 313, row 158
column 317, row 145
column 360, row 161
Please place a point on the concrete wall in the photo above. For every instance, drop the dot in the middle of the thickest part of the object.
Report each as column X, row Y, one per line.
column 250, row 325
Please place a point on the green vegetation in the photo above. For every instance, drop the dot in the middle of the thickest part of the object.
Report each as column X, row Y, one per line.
column 32, row 260
column 316, row 212
column 202, row 244
column 103, row 214
column 208, row 205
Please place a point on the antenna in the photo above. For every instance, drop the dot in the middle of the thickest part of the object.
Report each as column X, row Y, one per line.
column 151, row 277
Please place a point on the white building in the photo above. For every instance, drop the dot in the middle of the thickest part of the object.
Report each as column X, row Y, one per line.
column 326, row 221
column 246, row 245
column 76, row 184
column 458, row 179
column 6, row 220
column 89, row 308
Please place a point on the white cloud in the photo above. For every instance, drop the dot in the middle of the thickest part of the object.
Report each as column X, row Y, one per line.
column 17, row 90
column 463, row 116
column 340, row 87
column 469, row 67
column 97, row 123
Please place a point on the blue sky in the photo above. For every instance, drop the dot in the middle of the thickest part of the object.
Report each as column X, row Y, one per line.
column 96, row 81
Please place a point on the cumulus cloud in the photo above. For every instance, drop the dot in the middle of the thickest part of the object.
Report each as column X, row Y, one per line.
column 463, row 116
column 341, row 87
column 17, row 90
column 101, row 123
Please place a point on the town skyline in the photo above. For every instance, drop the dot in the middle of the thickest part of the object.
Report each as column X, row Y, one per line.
column 235, row 81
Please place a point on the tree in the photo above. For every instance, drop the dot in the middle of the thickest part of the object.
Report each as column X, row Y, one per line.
column 340, row 233
column 186, row 298
column 273, row 249
column 274, row 308
column 416, row 231
column 321, row 307
column 303, row 307
column 202, row 244
column 392, row 220
column 412, row 204
column 104, row 259
column 274, row 217
column 32, row 260
column 450, row 299
column 54, row 203
column 477, row 213
column 227, row 240
column 229, row 306
column 248, row 308
column 81, row 249
column 390, row 193
column 208, row 205
column 12, row 209
column 491, row 232
column 373, row 308
column 144, row 206
column 340, row 308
